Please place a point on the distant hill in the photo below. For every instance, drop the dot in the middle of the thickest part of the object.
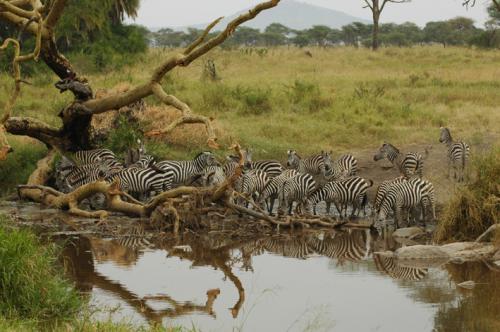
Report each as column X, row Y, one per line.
column 293, row 14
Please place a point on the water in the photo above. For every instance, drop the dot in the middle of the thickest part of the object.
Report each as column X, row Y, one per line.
column 314, row 281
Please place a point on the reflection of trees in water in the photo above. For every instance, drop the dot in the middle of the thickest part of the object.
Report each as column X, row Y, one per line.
column 477, row 312
column 79, row 264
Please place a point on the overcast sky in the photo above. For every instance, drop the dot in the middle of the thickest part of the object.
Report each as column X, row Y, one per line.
column 162, row 13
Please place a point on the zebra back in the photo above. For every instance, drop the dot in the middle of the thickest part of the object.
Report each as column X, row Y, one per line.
column 84, row 157
column 184, row 170
column 382, row 190
column 344, row 167
column 272, row 168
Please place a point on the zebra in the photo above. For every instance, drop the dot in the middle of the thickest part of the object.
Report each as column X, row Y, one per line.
column 342, row 193
column 251, row 184
column 184, row 170
column 345, row 166
column 429, row 193
column 390, row 266
column 402, row 197
column 458, row 153
column 81, row 175
column 143, row 181
column 409, row 164
column 316, row 165
column 143, row 162
column 273, row 187
column 382, row 190
column 230, row 165
column 85, row 157
column 273, row 168
column 296, row 247
column 297, row 188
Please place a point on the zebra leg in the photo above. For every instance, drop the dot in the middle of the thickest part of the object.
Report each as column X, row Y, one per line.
column 397, row 216
column 328, row 205
column 271, row 204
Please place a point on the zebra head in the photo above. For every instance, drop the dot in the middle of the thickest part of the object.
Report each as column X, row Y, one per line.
column 293, row 159
column 205, row 159
column 385, row 150
column 445, row 135
column 249, row 155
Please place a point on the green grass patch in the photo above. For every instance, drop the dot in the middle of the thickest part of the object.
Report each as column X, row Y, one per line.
column 31, row 286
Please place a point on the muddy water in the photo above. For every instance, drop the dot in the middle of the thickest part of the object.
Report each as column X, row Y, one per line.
column 318, row 281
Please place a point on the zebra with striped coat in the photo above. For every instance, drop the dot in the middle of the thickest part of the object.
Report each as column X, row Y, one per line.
column 345, row 166
column 296, row 189
column 352, row 191
column 251, row 184
column 144, row 182
column 273, row 188
column 272, row 168
column 81, row 175
column 86, row 157
column 213, row 176
column 315, row 165
column 184, row 170
column 400, row 198
column 409, row 164
column 382, row 189
column 458, row 153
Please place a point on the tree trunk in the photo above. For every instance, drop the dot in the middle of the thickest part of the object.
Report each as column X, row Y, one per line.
column 376, row 17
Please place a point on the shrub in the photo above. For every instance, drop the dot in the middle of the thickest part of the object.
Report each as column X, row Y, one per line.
column 125, row 135
column 217, row 97
column 31, row 287
column 306, row 96
column 475, row 206
column 253, row 100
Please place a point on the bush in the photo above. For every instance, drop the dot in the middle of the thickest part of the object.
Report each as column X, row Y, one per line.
column 306, row 96
column 31, row 287
column 253, row 100
column 19, row 165
column 124, row 136
column 475, row 206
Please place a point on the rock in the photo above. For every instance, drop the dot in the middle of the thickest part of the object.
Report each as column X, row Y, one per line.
column 467, row 284
column 422, row 256
column 408, row 232
column 470, row 251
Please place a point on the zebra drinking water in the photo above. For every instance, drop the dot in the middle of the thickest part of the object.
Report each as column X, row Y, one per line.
column 273, row 188
column 458, row 153
column 298, row 189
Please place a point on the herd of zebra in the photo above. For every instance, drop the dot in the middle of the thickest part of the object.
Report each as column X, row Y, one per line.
column 305, row 181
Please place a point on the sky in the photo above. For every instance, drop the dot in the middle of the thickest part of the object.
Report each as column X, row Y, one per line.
column 174, row 13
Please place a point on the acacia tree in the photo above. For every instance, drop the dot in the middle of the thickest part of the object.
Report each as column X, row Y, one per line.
column 40, row 18
column 377, row 6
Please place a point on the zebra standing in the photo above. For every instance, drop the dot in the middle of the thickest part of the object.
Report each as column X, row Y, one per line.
column 382, row 189
column 251, row 184
column 145, row 181
column 272, row 168
column 342, row 193
column 409, row 164
column 458, row 153
column 400, row 198
column 345, row 166
column 429, row 194
column 273, row 188
column 316, row 165
column 184, row 170
column 298, row 189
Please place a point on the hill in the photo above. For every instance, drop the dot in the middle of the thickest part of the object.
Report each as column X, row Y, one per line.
column 293, row 14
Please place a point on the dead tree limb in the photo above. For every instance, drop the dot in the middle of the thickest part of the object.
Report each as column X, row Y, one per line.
column 74, row 134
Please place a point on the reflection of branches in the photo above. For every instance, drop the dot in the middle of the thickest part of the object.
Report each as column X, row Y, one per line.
column 81, row 267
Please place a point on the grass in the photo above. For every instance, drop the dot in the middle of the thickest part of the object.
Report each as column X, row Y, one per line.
column 341, row 99
column 475, row 206
column 31, row 287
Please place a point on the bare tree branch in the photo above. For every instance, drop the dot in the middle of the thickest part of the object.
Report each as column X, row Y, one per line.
column 54, row 14
column 200, row 39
